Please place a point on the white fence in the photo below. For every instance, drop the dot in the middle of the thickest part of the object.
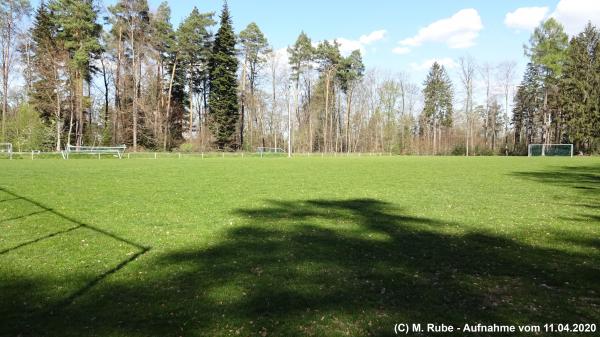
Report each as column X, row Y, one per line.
column 34, row 155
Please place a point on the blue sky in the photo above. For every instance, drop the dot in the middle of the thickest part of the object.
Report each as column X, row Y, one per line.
column 282, row 21
column 384, row 23
column 419, row 31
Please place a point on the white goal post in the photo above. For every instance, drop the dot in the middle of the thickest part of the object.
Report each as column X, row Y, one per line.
column 96, row 150
column 547, row 150
column 6, row 148
column 263, row 150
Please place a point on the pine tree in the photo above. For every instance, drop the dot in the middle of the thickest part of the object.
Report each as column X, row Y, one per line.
column 177, row 100
column 164, row 43
column 528, row 103
column 438, row 94
column 254, row 47
column 301, row 55
column 548, row 45
column 328, row 57
column 79, row 32
column 131, row 31
column 518, row 116
column 223, row 97
column 350, row 71
column 43, row 33
column 47, row 58
column 495, row 121
column 193, row 40
column 580, row 95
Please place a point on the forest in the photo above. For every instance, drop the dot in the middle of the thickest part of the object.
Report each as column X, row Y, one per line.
column 76, row 72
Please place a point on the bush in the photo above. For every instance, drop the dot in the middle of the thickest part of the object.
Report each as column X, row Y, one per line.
column 26, row 130
column 459, row 150
column 483, row 151
column 519, row 150
column 186, row 147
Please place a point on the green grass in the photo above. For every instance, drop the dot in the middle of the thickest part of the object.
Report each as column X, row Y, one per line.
column 302, row 247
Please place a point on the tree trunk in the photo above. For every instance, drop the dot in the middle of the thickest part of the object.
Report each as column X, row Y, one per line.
column 297, row 107
column 166, row 133
column 70, row 121
column 5, row 73
column 117, row 111
column 289, row 127
column 58, row 110
column 546, row 128
column 494, row 122
column 106, row 99
column 243, row 102
column 191, row 109
column 326, row 109
column 348, row 103
column 158, row 109
column 135, row 88
column 273, row 129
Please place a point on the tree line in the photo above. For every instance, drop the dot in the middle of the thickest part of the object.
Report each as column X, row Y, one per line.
column 558, row 100
column 82, row 74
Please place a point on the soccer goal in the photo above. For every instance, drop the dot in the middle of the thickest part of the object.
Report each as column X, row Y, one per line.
column 536, row 150
column 94, row 150
column 269, row 150
column 6, row 150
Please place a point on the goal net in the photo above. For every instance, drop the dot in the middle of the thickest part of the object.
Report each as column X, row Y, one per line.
column 94, row 150
column 6, row 150
column 266, row 150
column 550, row 150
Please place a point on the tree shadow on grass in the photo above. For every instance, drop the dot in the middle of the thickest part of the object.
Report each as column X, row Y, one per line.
column 17, row 316
column 584, row 179
column 332, row 268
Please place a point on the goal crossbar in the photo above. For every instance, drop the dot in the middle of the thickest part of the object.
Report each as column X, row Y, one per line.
column 269, row 150
column 550, row 150
column 96, row 150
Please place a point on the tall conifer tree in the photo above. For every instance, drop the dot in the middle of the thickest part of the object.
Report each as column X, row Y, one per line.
column 437, row 110
column 223, row 97
column 580, row 95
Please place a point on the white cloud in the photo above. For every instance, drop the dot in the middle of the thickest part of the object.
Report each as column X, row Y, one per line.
column 401, row 50
column 372, row 37
column 458, row 31
column 447, row 62
column 575, row 14
column 281, row 58
column 347, row 46
column 525, row 18
column 282, row 54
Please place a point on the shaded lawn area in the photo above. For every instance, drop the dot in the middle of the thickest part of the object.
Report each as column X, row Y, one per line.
column 309, row 247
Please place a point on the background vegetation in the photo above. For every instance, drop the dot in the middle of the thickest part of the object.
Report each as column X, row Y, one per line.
column 133, row 78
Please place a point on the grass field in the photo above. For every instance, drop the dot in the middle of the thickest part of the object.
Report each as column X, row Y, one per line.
column 301, row 247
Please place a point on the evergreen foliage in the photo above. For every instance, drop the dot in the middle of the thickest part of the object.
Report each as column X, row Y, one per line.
column 580, row 87
column 223, row 97
column 438, row 96
column 301, row 54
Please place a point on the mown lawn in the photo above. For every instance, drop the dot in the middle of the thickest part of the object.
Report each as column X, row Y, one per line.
column 301, row 247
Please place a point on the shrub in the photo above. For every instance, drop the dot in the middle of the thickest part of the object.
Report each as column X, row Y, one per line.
column 483, row 151
column 459, row 150
column 186, row 147
column 26, row 130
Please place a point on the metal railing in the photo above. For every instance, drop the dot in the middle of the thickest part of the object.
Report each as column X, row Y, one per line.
column 94, row 150
column 36, row 154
